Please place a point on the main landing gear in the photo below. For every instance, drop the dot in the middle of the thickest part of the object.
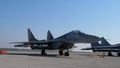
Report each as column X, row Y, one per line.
column 65, row 54
column 61, row 52
column 43, row 52
column 110, row 54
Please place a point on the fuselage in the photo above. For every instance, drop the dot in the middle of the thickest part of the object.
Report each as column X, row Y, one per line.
column 67, row 40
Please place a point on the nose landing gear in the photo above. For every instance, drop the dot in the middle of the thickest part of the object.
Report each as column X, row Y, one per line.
column 110, row 54
column 118, row 53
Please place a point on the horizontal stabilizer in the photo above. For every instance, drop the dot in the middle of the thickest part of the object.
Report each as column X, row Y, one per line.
column 22, row 46
column 86, row 49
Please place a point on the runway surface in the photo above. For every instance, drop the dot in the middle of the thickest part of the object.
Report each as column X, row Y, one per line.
column 33, row 59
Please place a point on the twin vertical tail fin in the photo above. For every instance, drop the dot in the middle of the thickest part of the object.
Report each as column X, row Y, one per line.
column 31, row 36
column 49, row 36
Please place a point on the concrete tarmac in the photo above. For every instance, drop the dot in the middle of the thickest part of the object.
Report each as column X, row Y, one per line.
column 33, row 59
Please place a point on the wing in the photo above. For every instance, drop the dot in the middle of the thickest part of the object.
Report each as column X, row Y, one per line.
column 31, row 42
column 100, row 47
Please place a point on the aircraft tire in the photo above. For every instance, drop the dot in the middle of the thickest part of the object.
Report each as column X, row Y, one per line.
column 110, row 54
column 118, row 53
column 61, row 52
column 66, row 54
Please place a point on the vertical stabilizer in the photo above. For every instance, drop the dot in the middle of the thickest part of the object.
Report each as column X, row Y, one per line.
column 49, row 36
column 31, row 36
column 104, row 42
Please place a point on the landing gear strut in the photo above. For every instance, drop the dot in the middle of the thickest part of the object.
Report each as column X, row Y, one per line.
column 118, row 53
column 43, row 52
column 110, row 54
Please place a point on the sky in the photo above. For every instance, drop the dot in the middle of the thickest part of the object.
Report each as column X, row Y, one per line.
column 96, row 17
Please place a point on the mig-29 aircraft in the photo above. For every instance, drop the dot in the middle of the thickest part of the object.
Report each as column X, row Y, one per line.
column 64, row 42
column 105, row 46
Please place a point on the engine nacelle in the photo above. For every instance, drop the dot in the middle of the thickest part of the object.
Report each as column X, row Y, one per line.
column 22, row 45
column 18, row 45
column 38, row 46
column 33, row 47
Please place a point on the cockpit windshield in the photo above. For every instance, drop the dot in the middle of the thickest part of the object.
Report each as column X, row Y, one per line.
column 76, row 31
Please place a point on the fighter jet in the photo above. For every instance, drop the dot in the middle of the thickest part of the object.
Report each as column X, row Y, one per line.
column 62, row 43
column 105, row 46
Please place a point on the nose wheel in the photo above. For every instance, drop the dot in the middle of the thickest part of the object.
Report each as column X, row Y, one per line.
column 118, row 53
column 110, row 54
